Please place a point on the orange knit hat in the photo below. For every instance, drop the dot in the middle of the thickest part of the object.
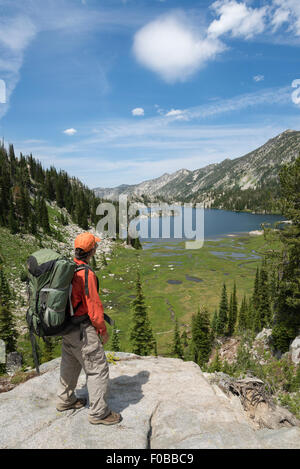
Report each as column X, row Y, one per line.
column 86, row 241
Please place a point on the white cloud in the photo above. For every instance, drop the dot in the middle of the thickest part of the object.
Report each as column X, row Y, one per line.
column 171, row 47
column 15, row 35
column 138, row 111
column 258, row 78
column 280, row 16
column 237, row 19
column 177, row 114
column 70, row 131
column 287, row 11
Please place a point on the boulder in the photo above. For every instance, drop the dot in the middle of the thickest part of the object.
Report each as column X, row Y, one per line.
column 165, row 403
column 295, row 350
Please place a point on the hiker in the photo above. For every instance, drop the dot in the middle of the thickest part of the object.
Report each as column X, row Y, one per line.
column 82, row 347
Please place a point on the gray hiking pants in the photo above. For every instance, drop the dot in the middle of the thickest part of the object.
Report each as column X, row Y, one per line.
column 88, row 354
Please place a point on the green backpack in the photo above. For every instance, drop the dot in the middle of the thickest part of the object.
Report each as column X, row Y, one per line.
column 50, row 311
column 50, row 277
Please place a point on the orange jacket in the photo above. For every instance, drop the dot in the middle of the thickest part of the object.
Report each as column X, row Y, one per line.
column 90, row 304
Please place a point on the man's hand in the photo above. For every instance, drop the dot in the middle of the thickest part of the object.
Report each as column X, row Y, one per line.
column 104, row 338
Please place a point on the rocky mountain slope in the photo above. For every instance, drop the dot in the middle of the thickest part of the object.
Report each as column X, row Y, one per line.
column 258, row 170
column 182, row 411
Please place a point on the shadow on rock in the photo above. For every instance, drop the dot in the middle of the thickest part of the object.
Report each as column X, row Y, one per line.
column 123, row 391
column 126, row 390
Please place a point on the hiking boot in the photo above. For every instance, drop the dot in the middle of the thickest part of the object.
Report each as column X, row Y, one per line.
column 78, row 404
column 111, row 419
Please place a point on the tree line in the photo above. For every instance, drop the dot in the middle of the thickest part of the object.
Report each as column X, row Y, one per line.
column 26, row 188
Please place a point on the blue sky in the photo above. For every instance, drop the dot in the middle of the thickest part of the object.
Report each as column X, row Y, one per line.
column 118, row 92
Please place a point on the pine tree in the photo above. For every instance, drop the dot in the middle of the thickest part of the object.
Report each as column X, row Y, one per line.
column 43, row 215
column 177, row 350
column 141, row 336
column 115, row 340
column 255, row 302
column 5, row 293
column 8, row 331
column 223, row 313
column 256, row 291
column 287, row 301
column 32, row 224
column 184, row 339
column 12, row 159
column 12, row 222
column 233, row 311
column 264, row 298
column 214, row 323
column 243, row 322
column 201, row 336
column 250, row 313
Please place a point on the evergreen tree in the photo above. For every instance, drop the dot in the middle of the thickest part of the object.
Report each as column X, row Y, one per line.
column 12, row 159
column 177, row 350
column 264, row 298
column 8, row 331
column 201, row 337
column 214, row 323
column 184, row 339
column 141, row 336
column 115, row 340
column 233, row 311
column 5, row 293
column 256, row 291
column 59, row 191
column 257, row 319
column 250, row 314
column 287, row 302
column 12, row 222
column 243, row 322
column 32, row 224
column 223, row 313
column 43, row 216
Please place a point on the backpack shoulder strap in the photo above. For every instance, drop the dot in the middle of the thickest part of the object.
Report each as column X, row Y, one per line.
column 86, row 267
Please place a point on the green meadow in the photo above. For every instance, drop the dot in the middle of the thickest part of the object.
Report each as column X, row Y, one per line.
column 176, row 281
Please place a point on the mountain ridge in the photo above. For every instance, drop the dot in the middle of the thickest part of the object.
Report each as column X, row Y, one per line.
column 224, row 184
